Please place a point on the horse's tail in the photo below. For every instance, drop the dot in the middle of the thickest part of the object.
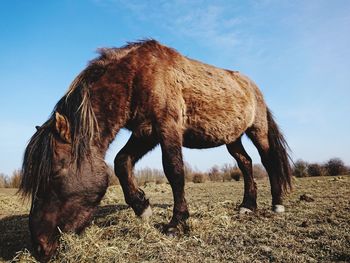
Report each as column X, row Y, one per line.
column 278, row 154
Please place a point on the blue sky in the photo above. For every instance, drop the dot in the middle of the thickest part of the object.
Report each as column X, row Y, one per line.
column 296, row 51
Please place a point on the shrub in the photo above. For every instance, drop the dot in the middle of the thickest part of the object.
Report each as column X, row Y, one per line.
column 113, row 179
column 259, row 171
column 226, row 177
column 188, row 172
column 335, row 166
column 3, row 181
column 230, row 172
column 236, row 175
column 160, row 180
column 315, row 169
column 199, row 178
column 15, row 180
column 226, row 172
column 215, row 175
column 148, row 175
column 300, row 168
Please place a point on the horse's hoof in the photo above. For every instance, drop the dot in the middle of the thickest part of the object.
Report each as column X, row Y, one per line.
column 147, row 213
column 278, row 208
column 175, row 230
column 171, row 231
column 243, row 211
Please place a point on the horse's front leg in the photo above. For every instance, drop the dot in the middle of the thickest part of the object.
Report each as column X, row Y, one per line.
column 171, row 145
column 124, row 162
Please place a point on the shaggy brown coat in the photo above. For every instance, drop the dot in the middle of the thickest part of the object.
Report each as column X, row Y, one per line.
column 163, row 98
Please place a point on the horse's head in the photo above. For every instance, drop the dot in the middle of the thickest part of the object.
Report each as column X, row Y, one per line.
column 65, row 188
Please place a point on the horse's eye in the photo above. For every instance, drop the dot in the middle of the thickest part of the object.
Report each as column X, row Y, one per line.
column 63, row 163
column 56, row 174
column 59, row 173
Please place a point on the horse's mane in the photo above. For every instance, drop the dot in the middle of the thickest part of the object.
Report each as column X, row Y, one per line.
column 37, row 160
column 76, row 106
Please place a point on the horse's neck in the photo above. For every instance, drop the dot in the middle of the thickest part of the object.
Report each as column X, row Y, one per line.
column 111, row 107
column 106, row 136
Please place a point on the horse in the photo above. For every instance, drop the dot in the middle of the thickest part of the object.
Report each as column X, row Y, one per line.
column 163, row 98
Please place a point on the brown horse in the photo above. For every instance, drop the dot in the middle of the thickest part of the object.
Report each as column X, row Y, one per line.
column 163, row 98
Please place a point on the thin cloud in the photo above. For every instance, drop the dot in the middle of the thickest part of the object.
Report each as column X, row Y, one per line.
column 207, row 23
column 197, row 20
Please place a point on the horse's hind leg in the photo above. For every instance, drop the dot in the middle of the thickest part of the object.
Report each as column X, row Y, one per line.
column 244, row 162
column 124, row 162
column 261, row 142
column 272, row 148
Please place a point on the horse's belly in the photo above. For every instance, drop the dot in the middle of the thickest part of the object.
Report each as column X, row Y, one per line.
column 197, row 140
column 214, row 132
column 217, row 121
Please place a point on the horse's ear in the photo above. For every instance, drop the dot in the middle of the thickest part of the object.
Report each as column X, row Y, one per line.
column 37, row 127
column 62, row 127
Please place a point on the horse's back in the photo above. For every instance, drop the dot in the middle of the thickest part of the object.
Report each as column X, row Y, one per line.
column 218, row 105
column 213, row 106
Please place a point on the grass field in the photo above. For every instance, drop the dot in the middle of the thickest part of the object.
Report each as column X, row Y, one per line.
column 316, row 230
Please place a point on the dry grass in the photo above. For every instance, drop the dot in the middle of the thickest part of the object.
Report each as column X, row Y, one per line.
column 307, row 232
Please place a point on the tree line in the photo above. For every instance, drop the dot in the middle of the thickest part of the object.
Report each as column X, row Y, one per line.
column 332, row 167
column 223, row 173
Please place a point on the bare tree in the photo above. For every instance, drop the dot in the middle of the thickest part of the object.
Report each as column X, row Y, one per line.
column 335, row 166
column 300, row 168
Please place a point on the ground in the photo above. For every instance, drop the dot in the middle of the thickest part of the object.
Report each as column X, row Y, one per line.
column 315, row 227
